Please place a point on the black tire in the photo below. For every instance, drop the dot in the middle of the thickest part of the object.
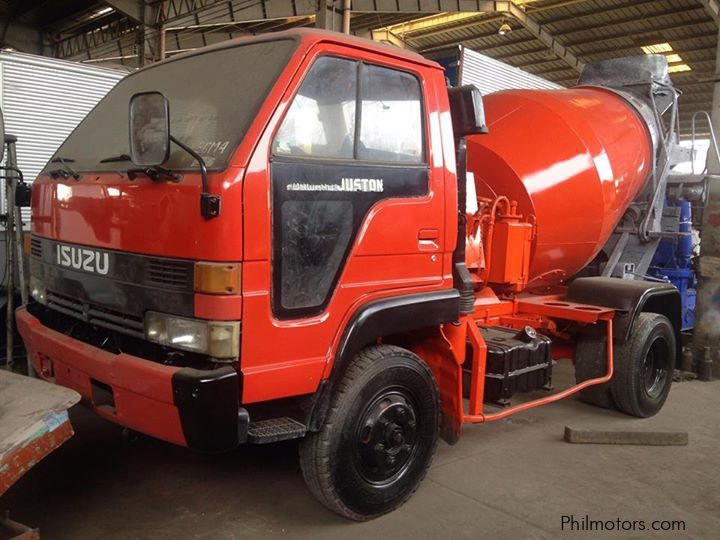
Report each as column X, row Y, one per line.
column 379, row 435
column 591, row 363
column 644, row 367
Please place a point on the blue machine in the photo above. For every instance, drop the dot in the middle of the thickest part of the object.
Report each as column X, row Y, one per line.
column 673, row 262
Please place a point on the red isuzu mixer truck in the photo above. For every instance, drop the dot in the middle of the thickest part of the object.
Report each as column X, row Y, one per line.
column 279, row 237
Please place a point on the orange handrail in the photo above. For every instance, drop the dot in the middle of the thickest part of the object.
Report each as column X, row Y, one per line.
column 479, row 418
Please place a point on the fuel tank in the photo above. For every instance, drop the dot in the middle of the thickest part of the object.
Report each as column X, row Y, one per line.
column 575, row 159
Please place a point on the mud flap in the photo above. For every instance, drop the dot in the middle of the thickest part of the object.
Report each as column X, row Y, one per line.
column 439, row 352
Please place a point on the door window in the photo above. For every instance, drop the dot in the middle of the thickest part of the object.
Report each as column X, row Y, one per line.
column 335, row 159
column 391, row 116
column 321, row 119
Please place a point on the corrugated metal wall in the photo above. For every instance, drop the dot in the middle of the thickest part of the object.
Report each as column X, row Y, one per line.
column 43, row 99
column 491, row 75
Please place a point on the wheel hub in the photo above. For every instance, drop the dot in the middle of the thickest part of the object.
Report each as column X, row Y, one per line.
column 387, row 437
column 655, row 370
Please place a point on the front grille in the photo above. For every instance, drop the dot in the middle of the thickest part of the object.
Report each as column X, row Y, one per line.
column 105, row 318
column 116, row 342
column 167, row 273
column 36, row 247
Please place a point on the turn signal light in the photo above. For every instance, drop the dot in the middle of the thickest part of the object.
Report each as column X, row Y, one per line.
column 217, row 278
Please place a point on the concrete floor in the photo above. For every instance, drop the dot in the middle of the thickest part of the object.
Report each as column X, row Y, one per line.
column 511, row 479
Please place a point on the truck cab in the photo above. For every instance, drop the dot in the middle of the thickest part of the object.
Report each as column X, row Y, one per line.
column 330, row 163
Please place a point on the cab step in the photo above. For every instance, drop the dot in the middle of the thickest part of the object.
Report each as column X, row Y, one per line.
column 275, row 429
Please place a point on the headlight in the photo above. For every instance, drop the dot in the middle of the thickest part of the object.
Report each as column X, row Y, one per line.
column 37, row 290
column 219, row 339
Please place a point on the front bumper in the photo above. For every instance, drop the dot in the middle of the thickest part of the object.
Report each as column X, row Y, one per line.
column 199, row 409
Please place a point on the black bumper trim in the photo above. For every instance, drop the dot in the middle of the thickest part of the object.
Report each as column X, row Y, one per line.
column 209, row 406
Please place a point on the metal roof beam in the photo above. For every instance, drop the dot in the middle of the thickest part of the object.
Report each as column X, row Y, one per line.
column 679, row 50
column 148, row 17
column 478, row 37
column 541, row 61
column 440, row 24
column 199, row 12
column 423, row 31
column 631, row 20
column 624, row 34
column 707, row 77
column 187, row 18
column 536, row 51
column 83, row 44
column 602, row 11
column 328, row 16
column 590, row 53
column 620, row 50
column 713, row 9
column 422, row 6
column 439, row 6
column 386, row 36
column 135, row 10
column 507, row 8
column 541, row 33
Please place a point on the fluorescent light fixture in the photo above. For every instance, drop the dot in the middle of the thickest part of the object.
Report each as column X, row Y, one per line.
column 679, row 68
column 657, row 48
column 674, row 57
column 100, row 12
column 431, row 24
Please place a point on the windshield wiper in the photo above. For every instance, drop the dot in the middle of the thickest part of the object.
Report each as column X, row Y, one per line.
column 116, row 159
column 66, row 171
column 154, row 173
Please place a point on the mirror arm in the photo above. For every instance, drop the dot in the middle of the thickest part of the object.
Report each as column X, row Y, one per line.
column 209, row 204
column 16, row 171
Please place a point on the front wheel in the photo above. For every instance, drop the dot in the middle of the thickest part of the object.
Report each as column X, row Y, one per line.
column 379, row 436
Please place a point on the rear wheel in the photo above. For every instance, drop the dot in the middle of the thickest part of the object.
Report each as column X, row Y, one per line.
column 379, row 435
column 591, row 363
column 644, row 367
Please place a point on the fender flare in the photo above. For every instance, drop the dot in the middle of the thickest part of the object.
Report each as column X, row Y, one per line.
column 630, row 298
column 383, row 317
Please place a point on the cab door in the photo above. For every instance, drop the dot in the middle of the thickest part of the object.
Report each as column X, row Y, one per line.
column 355, row 212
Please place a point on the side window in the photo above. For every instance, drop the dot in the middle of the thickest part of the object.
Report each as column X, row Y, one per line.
column 321, row 119
column 391, row 116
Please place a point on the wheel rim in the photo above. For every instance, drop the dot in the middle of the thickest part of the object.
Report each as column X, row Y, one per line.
column 655, row 370
column 386, row 438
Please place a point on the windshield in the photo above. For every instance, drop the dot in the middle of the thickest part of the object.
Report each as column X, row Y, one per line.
column 213, row 98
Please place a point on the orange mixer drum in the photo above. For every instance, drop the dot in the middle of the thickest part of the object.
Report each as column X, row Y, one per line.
column 573, row 158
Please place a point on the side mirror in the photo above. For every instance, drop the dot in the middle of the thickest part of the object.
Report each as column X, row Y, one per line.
column 2, row 136
column 467, row 111
column 149, row 129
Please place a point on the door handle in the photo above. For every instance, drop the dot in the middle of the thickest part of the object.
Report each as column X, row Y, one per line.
column 428, row 239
